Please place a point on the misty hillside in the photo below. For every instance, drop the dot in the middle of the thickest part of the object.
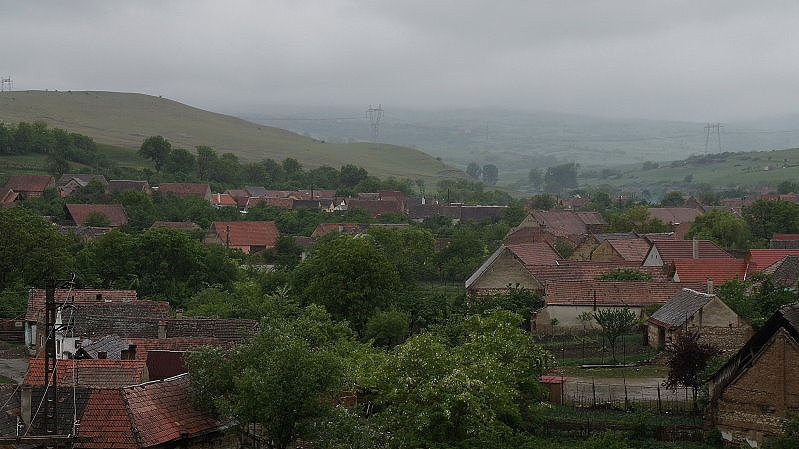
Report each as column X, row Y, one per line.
column 127, row 119
column 519, row 141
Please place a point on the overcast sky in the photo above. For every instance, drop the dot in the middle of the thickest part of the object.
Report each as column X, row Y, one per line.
column 704, row 61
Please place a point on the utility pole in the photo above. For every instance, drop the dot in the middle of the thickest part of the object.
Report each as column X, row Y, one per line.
column 374, row 115
column 710, row 128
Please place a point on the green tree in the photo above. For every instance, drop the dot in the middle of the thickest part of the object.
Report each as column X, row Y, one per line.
column 157, row 149
column 490, row 174
column 722, row 227
column 542, row 201
column 97, row 219
column 351, row 277
column 462, row 255
column 474, row 170
column 615, row 323
column 465, row 381
column 535, row 178
column 637, row 219
column 672, row 199
column 560, row 178
column 410, row 250
column 625, row 274
column 284, row 379
column 766, row 217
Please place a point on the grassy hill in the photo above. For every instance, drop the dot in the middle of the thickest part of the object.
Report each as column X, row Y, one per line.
column 721, row 171
column 126, row 119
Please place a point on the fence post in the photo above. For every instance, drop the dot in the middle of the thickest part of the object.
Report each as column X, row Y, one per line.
column 593, row 390
column 660, row 410
column 626, row 399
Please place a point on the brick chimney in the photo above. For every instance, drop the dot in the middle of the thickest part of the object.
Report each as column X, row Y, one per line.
column 695, row 249
column 161, row 330
column 709, row 286
column 129, row 354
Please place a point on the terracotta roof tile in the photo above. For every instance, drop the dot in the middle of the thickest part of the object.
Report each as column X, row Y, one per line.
column 700, row 270
column 673, row 215
column 36, row 298
column 611, row 293
column 535, row 253
column 185, row 189
column 115, row 213
column 99, row 373
column 245, row 234
column 106, row 422
column 761, row 259
column 670, row 250
column 162, row 412
column 571, row 270
column 631, row 250
column 29, row 183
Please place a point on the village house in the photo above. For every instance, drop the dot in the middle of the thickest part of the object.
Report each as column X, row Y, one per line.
column 761, row 259
column 664, row 252
column 584, row 250
column 570, row 225
column 632, row 250
column 186, row 190
column 81, row 214
column 750, row 395
column 679, row 218
column 70, row 182
column 566, row 300
column 702, row 313
column 248, row 236
column 719, row 270
column 120, row 185
column 509, row 266
column 28, row 186
column 784, row 241
column 785, row 273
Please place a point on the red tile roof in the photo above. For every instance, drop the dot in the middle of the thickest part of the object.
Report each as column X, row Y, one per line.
column 670, row 250
column 245, row 234
column 700, row 270
column 115, row 213
column 535, row 253
column 375, row 207
column 223, row 199
column 99, row 373
column 568, row 223
column 672, row 215
column 29, row 183
column 785, row 237
column 631, row 250
column 612, row 293
column 106, row 422
column 36, row 298
column 162, row 412
column 185, row 189
column 760, row 259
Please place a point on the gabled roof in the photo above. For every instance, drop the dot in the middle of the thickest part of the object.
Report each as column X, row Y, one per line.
column 223, row 199
column 568, row 223
column 257, row 191
column 719, row 270
column 375, row 207
column 610, row 293
column 572, row 270
column 83, row 178
column 680, row 308
column 246, row 233
column 184, row 189
column 784, row 320
column 670, row 250
column 29, row 183
column 785, row 236
column 126, row 319
column 36, row 298
column 162, row 412
column 760, row 259
column 785, row 273
column 118, row 185
column 630, row 249
column 673, row 215
column 106, row 422
column 115, row 213
column 528, row 254
column 100, row 373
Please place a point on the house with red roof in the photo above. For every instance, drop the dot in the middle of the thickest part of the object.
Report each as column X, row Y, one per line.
column 664, row 252
column 80, row 214
column 628, row 250
column 567, row 299
column 186, row 189
column 571, row 225
column 98, row 373
column 120, row 185
column 508, row 265
column 784, row 241
column 248, row 236
column 375, row 208
column 29, row 186
column 710, row 270
column 761, row 259
column 223, row 200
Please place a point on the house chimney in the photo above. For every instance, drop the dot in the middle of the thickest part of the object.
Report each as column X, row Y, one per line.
column 161, row 330
column 695, row 249
column 179, row 313
column 709, row 286
column 25, row 404
column 132, row 352
column 102, row 355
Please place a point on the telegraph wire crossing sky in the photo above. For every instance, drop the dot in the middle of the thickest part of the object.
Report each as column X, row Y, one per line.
column 682, row 60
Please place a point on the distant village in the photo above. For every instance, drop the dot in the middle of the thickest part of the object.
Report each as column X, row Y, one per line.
column 121, row 377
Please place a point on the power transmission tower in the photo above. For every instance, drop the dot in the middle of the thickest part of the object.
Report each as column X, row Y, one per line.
column 374, row 115
column 6, row 84
column 710, row 128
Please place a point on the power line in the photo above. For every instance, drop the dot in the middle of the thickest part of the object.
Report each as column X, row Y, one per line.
column 374, row 115
column 709, row 129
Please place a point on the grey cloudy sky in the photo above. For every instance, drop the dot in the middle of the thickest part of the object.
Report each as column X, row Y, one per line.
column 687, row 60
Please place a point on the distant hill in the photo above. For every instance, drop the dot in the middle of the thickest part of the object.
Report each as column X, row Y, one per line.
column 517, row 141
column 126, row 119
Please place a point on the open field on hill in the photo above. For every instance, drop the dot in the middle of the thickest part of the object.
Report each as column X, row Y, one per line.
column 126, row 120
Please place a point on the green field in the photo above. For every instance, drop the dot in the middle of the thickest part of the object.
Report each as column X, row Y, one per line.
column 125, row 120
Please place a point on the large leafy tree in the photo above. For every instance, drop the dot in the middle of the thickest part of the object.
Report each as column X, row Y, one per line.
column 474, row 170
column 157, row 149
column 637, row 219
column 766, row 217
column 459, row 383
column 284, row 379
column 410, row 250
column 722, row 227
column 560, row 177
column 31, row 251
column 490, row 174
column 350, row 276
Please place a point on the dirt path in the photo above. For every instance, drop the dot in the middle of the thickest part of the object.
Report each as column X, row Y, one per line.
column 14, row 368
